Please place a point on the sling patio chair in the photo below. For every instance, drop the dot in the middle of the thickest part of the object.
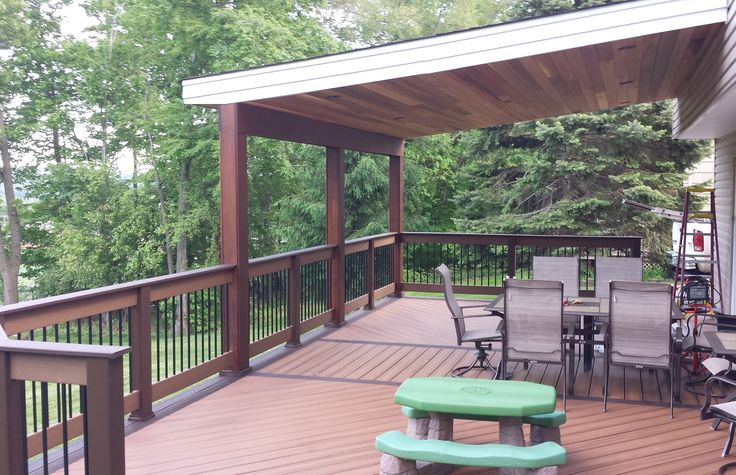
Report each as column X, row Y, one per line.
column 639, row 330
column 627, row 269
column 482, row 338
column 533, row 330
column 723, row 411
column 564, row 269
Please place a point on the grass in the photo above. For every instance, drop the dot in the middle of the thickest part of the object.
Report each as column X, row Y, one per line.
column 160, row 360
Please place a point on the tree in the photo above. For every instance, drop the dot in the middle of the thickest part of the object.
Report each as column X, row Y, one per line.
column 568, row 175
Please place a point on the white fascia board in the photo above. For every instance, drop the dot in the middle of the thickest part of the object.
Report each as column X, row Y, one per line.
column 456, row 50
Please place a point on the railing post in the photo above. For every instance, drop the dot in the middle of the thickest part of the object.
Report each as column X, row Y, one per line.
column 370, row 273
column 234, row 231
column 636, row 248
column 396, row 216
column 511, row 258
column 140, row 357
column 12, row 433
column 295, row 299
column 335, row 191
column 106, row 436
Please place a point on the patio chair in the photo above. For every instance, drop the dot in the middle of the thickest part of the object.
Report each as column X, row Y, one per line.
column 533, row 330
column 483, row 339
column 565, row 269
column 639, row 330
column 723, row 411
column 628, row 269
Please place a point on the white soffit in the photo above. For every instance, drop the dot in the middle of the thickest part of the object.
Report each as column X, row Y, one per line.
column 455, row 50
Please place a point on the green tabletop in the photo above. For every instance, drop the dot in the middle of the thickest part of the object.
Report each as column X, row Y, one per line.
column 479, row 397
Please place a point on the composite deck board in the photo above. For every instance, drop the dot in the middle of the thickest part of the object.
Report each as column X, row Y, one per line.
column 318, row 409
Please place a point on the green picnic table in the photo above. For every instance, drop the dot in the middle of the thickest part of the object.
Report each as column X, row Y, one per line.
column 448, row 398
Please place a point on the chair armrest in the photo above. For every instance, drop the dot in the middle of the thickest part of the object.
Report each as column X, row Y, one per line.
column 704, row 414
column 474, row 306
column 484, row 315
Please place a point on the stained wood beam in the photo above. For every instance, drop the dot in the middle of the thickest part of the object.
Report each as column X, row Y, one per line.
column 263, row 122
column 234, row 229
column 335, row 192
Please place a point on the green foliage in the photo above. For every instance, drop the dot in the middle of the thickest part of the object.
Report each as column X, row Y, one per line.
column 568, row 175
column 76, row 109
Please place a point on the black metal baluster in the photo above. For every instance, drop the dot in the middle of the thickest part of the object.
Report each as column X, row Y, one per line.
column 189, row 329
column 209, row 324
column 181, row 332
column 85, row 425
column 64, row 431
column 45, row 425
column 173, row 336
column 166, row 338
column 158, row 340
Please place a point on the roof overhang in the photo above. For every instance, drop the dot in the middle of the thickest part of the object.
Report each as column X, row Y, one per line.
column 597, row 58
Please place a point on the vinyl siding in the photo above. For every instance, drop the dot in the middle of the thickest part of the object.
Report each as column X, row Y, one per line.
column 715, row 77
column 725, row 159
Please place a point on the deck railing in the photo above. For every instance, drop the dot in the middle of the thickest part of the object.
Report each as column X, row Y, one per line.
column 480, row 262
column 177, row 326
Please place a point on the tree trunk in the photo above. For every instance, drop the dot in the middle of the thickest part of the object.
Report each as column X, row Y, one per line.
column 10, row 255
column 165, row 221
column 181, row 247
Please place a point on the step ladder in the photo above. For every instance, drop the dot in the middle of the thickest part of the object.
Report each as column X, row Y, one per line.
column 713, row 257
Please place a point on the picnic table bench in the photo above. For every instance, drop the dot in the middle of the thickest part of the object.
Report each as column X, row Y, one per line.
column 511, row 403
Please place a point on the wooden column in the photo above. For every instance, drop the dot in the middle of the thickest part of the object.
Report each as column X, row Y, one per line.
column 234, row 231
column 396, row 215
column 335, row 192
column 106, row 434
column 140, row 357
column 12, row 432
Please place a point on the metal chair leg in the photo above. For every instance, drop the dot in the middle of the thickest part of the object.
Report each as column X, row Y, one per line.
column 729, row 440
column 605, row 387
column 564, row 388
column 672, row 394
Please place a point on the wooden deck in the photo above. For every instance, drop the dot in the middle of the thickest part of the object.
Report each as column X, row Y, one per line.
column 318, row 409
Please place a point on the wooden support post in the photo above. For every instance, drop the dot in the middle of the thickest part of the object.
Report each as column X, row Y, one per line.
column 295, row 299
column 511, row 259
column 234, row 232
column 12, row 433
column 140, row 357
column 396, row 216
column 106, row 435
column 370, row 275
column 636, row 248
column 335, row 192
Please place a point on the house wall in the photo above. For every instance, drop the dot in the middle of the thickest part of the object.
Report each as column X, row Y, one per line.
column 725, row 168
column 715, row 77
column 704, row 107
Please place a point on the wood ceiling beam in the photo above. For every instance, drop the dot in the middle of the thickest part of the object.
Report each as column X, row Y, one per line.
column 279, row 125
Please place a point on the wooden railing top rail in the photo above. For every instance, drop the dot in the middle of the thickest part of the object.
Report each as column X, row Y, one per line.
column 33, row 314
column 518, row 239
column 69, row 350
column 371, row 238
column 278, row 262
column 123, row 288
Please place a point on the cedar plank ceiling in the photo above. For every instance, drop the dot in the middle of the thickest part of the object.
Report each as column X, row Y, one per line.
column 635, row 70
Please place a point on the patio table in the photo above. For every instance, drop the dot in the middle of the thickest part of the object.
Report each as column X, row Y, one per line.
column 589, row 308
column 722, row 342
column 508, row 400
